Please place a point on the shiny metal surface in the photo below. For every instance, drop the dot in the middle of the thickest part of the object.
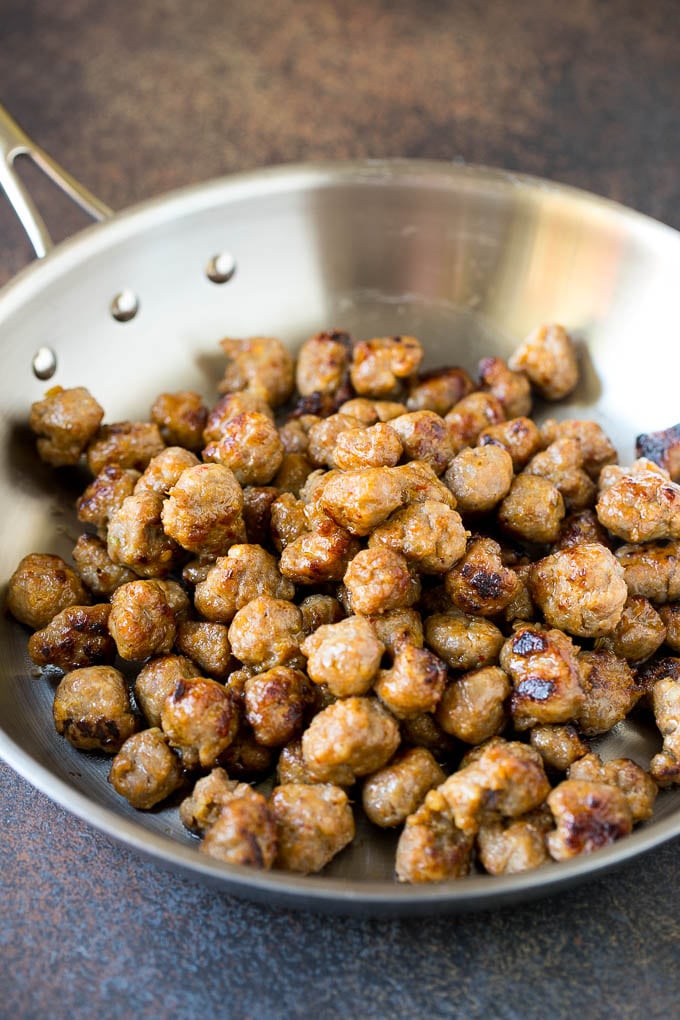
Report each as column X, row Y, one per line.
column 468, row 259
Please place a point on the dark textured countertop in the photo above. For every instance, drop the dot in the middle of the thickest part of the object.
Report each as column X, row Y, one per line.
column 137, row 98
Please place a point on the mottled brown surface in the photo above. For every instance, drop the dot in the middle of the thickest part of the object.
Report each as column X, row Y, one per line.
column 140, row 98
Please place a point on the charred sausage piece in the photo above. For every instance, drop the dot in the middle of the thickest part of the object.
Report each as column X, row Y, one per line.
column 249, row 446
column 136, row 538
column 479, row 583
column 588, row 816
column 378, row 364
column 520, row 437
column 146, row 771
column 521, row 605
column 105, row 495
column 158, row 679
column 261, row 366
column 92, row 709
column 40, row 587
column 398, row 789
column 414, row 684
column 164, row 470
column 141, row 621
column 198, row 811
column 663, row 448
column 472, row 707
column 652, row 570
column 638, row 787
column 313, row 824
column 581, row 590
column 244, row 832
column 643, row 507
column 78, row 636
column 130, row 444
column 181, row 418
column 96, row 568
column 511, row 388
column 345, row 656
column 245, row 573
column 640, row 631
column 548, row 357
column 544, row 670
column 510, row 848
column 206, row 644
column 65, row 421
column 480, row 477
column 275, row 703
column 267, row 632
column 378, row 580
column 533, row 510
column 352, row 737
column 558, row 745
column 470, row 417
column 430, row 535
column 200, row 720
column 431, row 847
column 463, row 641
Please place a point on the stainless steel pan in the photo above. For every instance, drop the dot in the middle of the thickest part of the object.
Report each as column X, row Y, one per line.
column 469, row 259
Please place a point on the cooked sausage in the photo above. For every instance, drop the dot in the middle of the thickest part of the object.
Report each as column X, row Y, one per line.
column 200, row 720
column 345, row 656
column 548, row 357
column 92, row 709
column 65, row 421
column 141, row 621
column 313, row 824
column 77, row 636
column 145, row 771
column 472, row 707
column 244, row 832
column 181, row 418
column 246, row 572
column 267, row 632
column 398, row 789
column 581, row 590
column 261, row 366
column 352, row 737
column 40, row 587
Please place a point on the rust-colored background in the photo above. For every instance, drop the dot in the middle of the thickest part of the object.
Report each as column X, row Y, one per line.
column 140, row 96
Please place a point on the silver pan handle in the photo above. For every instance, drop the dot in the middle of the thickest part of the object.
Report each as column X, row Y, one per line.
column 15, row 142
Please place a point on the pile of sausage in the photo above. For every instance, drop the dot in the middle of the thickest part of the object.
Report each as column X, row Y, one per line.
column 376, row 585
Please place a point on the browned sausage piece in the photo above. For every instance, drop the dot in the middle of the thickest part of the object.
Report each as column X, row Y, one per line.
column 472, row 706
column 141, row 622
column 581, row 590
column 520, row 437
column 641, row 508
column 414, row 684
column 105, row 495
column 275, row 703
column 670, row 618
column 480, row 477
column 323, row 362
column 544, row 670
column 463, row 641
column 246, row 572
column 378, row 364
column 558, row 746
column 511, row 388
column 352, row 737
column 345, row 656
column 379, row 580
column 320, row 555
column 438, row 390
column 244, row 832
column 399, row 627
column 181, row 418
column 548, row 357
column 136, row 538
column 77, row 636
column 479, row 582
column 431, row 847
column 65, row 421
column 425, row 436
column 596, row 446
column 638, row 787
column 663, row 448
column 92, row 709
column 40, row 587
column 588, row 816
column 200, row 720
column 157, row 679
column 250, row 447
column 398, row 789
column 652, row 570
column 430, row 535
column 319, row 611
column 96, row 568
column 267, row 632
column 533, row 510
column 313, row 824
column 130, row 444
column 163, row 470
column 640, row 631
column 471, row 416
column 509, row 848
column 206, row 644
column 373, row 446
column 562, row 464
column 581, row 528
column 209, row 795
column 145, row 771
column 261, row 366
column 360, row 499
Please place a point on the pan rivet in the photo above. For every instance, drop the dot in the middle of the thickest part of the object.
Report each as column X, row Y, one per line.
column 44, row 363
column 125, row 306
column 221, row 267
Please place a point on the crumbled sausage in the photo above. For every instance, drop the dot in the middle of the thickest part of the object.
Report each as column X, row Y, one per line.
column 609, row 689
column 163, row 470
column 244, row 832
column 652, row 570
column 319, row 556
column 596, row 446
column 130, row 444
column 181, row 418
column 479, row 583
column 40, row 587
column 638, row 787
column 548, row 357
column 479, row 477
column 425, row 436
column 639, row 632
column 157, row 679
column 414, row 684
column 544, row 670
column 430, row 535
column 464, row 642
column 141, row 621
column 319, row 610
column 261, row 366
column 230, row 406
column 246, row 572
column 379, row 580
column 581, row 528
column 204, row 510
column 250, row 446
column 511, row 388
column 313, row 824
column 371, row 446
column 288, row 520
column 669, row 615
column 581, row 590
column 267, row 632
column 324, row 436
column 398, row 789
column 378, row 364
column 510, row 848
column 294, row 471
column 431, row 847
column 345, row 656
column 207, row 645
column 419, row 484
column 533, row 510
column 136, row 538
column 323, row 363
column 352, row 737
column 371, row 411
column 77, row 636
column 588, row 816
column 92, row 709
column 470, row 417
column 643, row 507
column 520, row 437
column 294, row 434
column 558, row 746
column 399, row 627
column 198, row 811
column 665, row 766
column 663, row 448
column 562, row 464
column 200, row 720
column 105, row 495
column 145, row 771
column 65, row 421
column 472, row 707
column 275, row 703
column 438, row 390
column 96, row 568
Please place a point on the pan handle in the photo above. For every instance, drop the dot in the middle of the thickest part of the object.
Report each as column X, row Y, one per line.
column 15, row 142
